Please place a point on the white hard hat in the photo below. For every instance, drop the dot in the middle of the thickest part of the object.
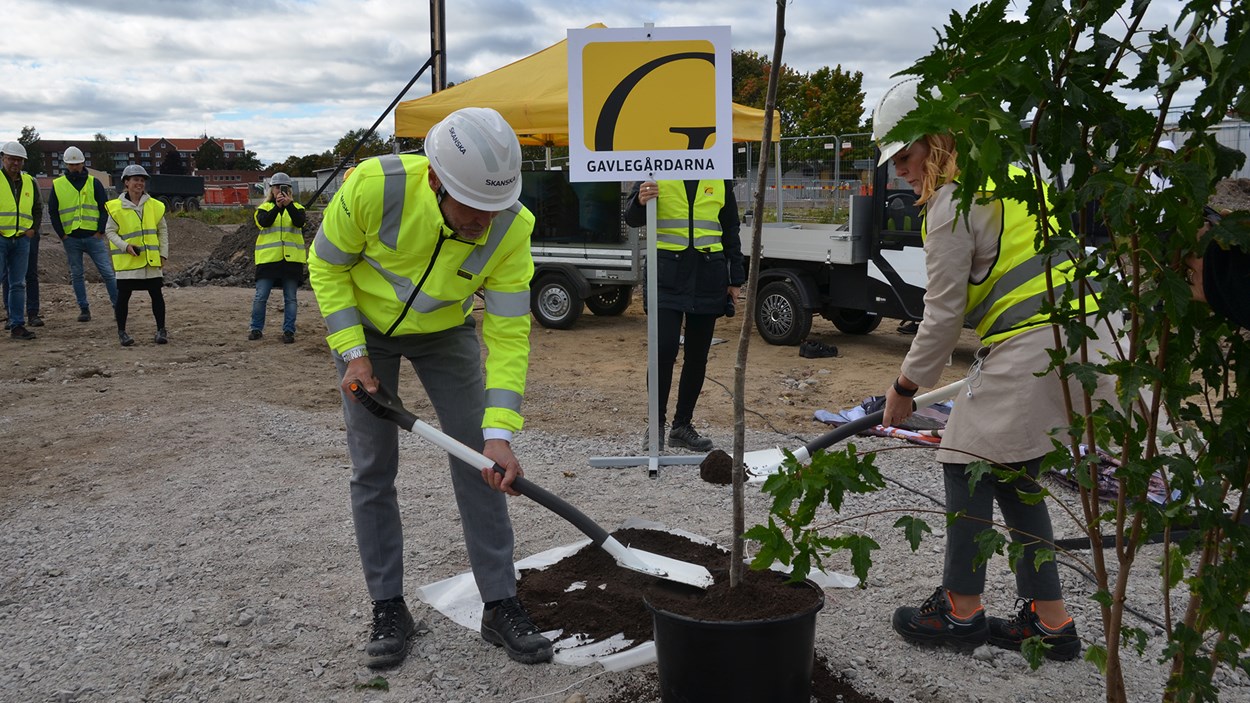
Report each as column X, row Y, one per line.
column 1168, row 144
column 134, row 170
column 73, row 155
column 477, row 158
column 280, row 179
column 13, row 149
column 897, row 101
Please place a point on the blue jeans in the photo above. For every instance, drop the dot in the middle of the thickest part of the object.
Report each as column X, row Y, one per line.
column 263, row 286
column 14, row 260
column 98, row 250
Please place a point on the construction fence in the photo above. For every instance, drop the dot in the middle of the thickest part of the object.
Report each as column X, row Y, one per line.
column 815, row 181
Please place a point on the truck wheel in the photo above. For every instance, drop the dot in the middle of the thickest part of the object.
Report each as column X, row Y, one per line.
column 855, row 321
column 780, row 315
column 192, row 204
column 613, row 302
column 177, row 205
column 555, row 302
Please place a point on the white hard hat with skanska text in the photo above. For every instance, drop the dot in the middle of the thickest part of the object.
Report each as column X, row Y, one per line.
column 13, row 149
column 73, row 155
column 477, row 158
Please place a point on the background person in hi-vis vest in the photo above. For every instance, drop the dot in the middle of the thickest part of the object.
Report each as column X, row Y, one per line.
column 279, row 255
column 21, row 211
column 699, row 270
column 139, row 239
column 1008, row 412
column 79, row 217
column 404, row 245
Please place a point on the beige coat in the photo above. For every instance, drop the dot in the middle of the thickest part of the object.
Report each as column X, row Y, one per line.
column 1006, row 414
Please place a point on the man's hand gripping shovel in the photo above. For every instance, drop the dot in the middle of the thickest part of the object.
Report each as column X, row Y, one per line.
column 387, row 406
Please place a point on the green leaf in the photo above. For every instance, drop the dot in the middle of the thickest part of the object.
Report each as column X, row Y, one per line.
column 1034, row 651
column 377, row 683
column 914, row 529
column 1096, row 654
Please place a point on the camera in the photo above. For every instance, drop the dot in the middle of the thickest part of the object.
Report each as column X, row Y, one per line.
column 1211, row 215
column 285, row 189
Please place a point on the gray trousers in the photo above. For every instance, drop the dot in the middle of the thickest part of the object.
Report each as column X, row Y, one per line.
column 449, row 366
column 1029, row 525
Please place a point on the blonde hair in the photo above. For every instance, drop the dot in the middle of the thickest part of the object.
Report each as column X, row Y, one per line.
column 939, row 165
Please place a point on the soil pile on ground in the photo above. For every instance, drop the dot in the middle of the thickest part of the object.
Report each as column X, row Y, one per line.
column 230, row 262
column 717, row 467
column 1232, row 194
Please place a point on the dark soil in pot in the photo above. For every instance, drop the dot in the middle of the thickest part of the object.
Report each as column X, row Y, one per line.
column 611, row 602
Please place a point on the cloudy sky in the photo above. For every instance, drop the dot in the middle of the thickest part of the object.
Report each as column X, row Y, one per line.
column 293, row 76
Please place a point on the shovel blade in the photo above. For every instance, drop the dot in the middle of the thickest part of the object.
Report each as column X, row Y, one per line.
column 658, row 565
column 763, row 462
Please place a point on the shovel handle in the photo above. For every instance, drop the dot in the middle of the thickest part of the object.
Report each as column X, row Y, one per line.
column 388, row 407
column 857, row 425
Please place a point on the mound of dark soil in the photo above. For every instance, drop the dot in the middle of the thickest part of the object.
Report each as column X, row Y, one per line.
column 230, row 262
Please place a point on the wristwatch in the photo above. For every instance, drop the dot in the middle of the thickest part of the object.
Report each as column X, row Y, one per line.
column 354, row 353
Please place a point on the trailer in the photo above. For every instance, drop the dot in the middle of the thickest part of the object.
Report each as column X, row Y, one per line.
column 584, row 254
column 177, row 192
column 853, row 274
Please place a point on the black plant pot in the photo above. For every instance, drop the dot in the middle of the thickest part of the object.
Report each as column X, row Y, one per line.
column 702, row 661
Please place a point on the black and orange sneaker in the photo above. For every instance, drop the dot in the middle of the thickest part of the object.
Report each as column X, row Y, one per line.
column 1062, row 644
column 934, row 622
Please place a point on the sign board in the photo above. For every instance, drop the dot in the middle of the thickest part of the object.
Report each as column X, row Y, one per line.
column 650, row 103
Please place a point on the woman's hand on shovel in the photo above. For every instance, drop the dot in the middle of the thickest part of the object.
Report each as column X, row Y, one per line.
column 898, row 407
column 500, row 452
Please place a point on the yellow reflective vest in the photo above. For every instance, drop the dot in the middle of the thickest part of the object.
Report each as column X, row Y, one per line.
column 680, row 224
column 383, row 259
column 77, row 208
column 282, row 241
column 1010, row 299
column 143, row 234
column 17, row 217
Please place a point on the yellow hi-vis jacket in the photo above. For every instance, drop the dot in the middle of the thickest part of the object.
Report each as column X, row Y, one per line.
column 384, row 259
column 1010, row 298
column 78, row 208
column 282, row 241
column 17, row 217
column 143, row 234
column 680, row 224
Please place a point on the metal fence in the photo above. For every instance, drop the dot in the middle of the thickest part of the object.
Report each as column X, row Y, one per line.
column 816, row 178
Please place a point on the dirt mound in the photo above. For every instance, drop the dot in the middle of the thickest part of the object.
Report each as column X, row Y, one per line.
column 1232, row 194
column 230, row 261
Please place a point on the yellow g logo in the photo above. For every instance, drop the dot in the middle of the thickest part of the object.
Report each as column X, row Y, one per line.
column 651, row 95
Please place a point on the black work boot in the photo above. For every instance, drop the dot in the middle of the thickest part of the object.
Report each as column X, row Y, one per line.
column 507, row 625
column 391, row 637
column 85, row 315
column 646, row 438
column 934, row 622
column 1062, row 644
column 162, row 337
column 685, row 436
column 126, row 340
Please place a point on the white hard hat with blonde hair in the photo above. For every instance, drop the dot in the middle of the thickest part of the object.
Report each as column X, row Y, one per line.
column 898, row 100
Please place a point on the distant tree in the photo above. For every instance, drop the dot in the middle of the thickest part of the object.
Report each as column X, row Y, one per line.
column 304, row 165
column 248, row 161
column 101, row 153
column 209, row 157
column 372, row 146
column 173, row 164
column 829, row 102
column 34, row 155
column 750, row 84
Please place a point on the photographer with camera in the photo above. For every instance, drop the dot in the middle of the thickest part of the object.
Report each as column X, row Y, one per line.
column 280, row 255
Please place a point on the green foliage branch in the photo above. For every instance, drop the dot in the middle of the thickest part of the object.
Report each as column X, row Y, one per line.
column 1045, row 89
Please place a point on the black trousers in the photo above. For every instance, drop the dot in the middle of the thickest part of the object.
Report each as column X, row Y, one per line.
column 126, row 286
column 699, row 330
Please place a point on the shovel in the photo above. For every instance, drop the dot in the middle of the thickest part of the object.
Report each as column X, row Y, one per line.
column 385, row 405
column 768, row 461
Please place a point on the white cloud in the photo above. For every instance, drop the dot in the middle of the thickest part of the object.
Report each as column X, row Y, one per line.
column 293, row 76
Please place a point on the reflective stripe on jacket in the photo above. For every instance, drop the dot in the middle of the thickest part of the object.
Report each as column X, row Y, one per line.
column 680, row 225
column 282, row 241
column 384, row 259
column 143, row 234
column 1010, row 298
column 77, row 208
column 17, row 217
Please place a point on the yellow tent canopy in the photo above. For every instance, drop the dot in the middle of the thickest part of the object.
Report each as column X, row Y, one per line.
column 532, row 94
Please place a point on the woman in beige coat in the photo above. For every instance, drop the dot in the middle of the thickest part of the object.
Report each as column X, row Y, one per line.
column 984, row 272
column 139, row 241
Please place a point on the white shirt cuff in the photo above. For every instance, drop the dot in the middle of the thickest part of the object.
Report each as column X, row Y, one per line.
column 497, row 433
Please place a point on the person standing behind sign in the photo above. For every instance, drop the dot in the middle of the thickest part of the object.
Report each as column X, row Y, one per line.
column 699, row 270
column 139, row 239
column 79, row 218
column 279, row 256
